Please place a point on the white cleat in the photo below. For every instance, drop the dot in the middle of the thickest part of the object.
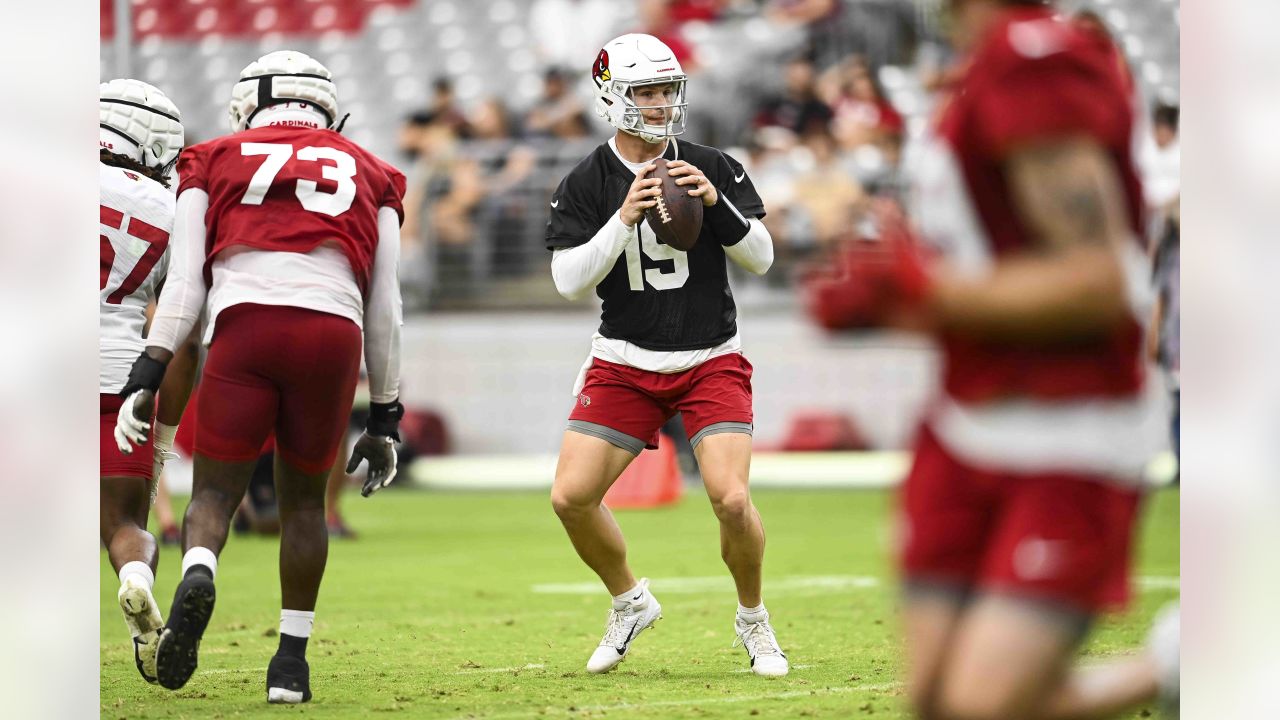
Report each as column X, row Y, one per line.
column 623, row 628
column 767, row 658
column 142, row 615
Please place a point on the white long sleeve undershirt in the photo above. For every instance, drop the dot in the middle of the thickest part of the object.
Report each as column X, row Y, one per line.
column 754, row 252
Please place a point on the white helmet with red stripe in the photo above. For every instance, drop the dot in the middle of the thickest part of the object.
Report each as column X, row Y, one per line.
column 284, row 76
column 632, row 61
column 138, row 121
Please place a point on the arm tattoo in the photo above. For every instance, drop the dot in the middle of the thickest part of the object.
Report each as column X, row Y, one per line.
column 1068, row 194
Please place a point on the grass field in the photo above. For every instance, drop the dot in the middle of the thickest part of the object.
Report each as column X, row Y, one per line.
column 475, row 606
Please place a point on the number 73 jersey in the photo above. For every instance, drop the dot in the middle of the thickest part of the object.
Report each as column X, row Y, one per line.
column 136, row 216
column 289, row 189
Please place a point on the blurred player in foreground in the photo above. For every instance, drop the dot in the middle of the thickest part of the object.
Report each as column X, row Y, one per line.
column 1018, row 514
column 140, row 135
column 290, row 232
column 668, row 339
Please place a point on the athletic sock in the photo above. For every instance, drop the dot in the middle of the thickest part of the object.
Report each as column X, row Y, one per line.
column 138, row 569
column 295, row 629
column 754, row 614
column 634, row 595
column 200, row 557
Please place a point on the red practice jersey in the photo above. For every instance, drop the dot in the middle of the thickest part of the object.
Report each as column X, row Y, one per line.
column 290, row 189
column 1034, row 77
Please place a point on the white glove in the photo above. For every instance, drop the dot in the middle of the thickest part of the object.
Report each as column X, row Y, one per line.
column 129, row 429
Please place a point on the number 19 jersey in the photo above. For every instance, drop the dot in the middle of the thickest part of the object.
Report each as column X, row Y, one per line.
column 136, row 216
column 291, row 189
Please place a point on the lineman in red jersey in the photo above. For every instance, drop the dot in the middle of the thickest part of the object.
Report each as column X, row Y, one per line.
column 288, row 234
column 1018, row 513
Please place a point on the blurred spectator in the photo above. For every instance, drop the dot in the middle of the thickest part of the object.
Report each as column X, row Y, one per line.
column 862, row 114
column 798, row 109
column 410, row 136
column 828, row 199
column 557, row 113
column 490, row 121
column 444, row 108
column 1162, row 159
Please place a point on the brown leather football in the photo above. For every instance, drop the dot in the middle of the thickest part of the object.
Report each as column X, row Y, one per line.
column 677, row 218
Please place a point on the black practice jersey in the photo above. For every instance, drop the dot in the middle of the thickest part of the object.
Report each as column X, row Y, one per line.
column 655, row 296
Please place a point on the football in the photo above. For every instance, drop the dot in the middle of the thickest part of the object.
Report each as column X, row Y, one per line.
column 677, row 218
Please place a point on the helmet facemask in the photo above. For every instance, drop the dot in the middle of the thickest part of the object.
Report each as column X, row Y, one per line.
column 632, row 118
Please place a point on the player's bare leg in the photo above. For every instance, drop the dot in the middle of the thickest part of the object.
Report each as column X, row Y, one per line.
column 1012, row 659
column 216, row 491
column 122, row 523
column 588, row 466
column 725, row 461
column 930, row 617
column 304, row 550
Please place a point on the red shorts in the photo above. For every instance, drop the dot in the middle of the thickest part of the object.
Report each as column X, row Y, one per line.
column 112, row 462
column 1056, row 537
column 278, row 368
column 628, row 406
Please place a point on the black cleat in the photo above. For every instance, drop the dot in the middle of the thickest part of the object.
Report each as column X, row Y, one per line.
column 180, row 638
column 288, row 680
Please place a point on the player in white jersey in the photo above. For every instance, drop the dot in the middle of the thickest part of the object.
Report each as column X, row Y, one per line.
column 140, row 137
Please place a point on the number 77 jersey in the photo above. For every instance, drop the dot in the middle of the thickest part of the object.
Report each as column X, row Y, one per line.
column 290, row 189
column 136, row 216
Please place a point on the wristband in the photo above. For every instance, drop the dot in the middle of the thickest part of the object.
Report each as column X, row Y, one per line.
column 384, row 419
column 146, row 374
column 726, row 222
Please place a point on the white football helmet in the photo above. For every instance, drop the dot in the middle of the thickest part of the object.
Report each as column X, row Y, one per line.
column 145, row 118
column 282, row 76
column 628, row 62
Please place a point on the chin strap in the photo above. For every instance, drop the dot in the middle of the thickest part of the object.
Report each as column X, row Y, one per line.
column 341, row 123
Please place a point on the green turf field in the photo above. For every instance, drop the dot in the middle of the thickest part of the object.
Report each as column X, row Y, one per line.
column 475, row 606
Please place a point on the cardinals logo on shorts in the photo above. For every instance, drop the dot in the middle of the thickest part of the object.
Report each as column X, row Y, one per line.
column 584, row 399
column 600, row 71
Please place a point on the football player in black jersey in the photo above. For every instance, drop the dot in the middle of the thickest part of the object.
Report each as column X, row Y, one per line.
column 668, row 339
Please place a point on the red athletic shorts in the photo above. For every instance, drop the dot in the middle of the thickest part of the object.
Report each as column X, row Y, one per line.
column 278, row 368
column 1056, row 537
column 628, row 406
column 112, row 462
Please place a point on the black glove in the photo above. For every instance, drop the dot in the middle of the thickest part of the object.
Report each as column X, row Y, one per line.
column 146, row 374
column 378, row 446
